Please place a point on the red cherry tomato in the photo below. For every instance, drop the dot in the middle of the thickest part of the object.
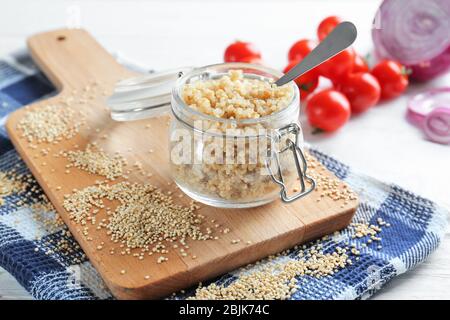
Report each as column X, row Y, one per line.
column 360, row 65
column 326, row 26
column 392, row 78
column 307, row 83
column 301, row 49
column 361, row 89
column 328, row 110
column 240, row 50
column 338, row 66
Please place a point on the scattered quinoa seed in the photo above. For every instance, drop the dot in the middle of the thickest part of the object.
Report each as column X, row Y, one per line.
column 96, row 161
column 50, row 123
column 144, row 217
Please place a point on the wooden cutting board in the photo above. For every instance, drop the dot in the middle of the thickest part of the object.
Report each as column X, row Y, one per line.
column 85, row 75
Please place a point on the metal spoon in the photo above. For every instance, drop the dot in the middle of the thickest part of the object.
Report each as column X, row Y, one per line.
column 338, row 40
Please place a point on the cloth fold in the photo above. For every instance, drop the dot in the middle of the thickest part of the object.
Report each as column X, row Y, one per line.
column 30, row 233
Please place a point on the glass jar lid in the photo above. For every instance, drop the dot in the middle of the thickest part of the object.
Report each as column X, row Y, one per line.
column 144, row 96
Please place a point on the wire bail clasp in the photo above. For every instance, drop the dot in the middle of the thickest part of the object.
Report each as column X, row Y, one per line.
column 300, row 163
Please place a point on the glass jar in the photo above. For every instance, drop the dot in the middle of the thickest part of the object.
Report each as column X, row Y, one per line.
column 226, row 163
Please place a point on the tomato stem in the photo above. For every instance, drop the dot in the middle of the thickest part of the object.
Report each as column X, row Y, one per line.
column 367, row 58
column 406, row 71
column 317, row 131
column 306, row 86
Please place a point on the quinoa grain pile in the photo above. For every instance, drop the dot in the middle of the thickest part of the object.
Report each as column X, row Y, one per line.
column 10, row 183
column 369, row 232
column 329, row 187
column 96, row 161
column 233, row 96
column 28, row 195
column 144, row 218
column 50, row 123
column 277, row 278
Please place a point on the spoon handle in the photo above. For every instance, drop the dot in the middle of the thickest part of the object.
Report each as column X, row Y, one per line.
column 338, row 40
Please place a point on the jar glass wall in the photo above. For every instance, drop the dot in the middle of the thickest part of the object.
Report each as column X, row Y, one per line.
column 236, row 163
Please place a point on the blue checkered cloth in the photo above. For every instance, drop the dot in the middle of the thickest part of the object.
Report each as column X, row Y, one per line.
column 417, row 224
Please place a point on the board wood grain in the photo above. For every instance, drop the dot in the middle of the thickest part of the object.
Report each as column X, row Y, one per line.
column 85, row 74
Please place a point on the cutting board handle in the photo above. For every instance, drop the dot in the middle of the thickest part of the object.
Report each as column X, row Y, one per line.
column 72, row 57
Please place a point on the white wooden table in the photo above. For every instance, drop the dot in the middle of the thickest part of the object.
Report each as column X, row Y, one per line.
column 167, row 34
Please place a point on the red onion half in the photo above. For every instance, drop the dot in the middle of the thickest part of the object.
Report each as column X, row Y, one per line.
column 415, row 33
